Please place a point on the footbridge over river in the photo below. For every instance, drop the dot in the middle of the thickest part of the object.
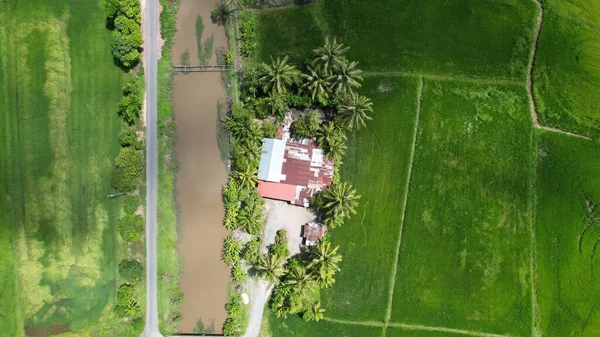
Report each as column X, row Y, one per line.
column 184, row 69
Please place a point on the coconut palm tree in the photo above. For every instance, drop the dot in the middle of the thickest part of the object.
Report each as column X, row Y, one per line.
column 330, row 56
column 317, row 82
column 278, row 76
column 246, row 176
column 345, row 77
column 300, row 280
column 332, row 139
column 325, row 262
column 243, row 128
column 314, row 313
column 269, row 267
column 339, row 201
column 355, row 110
column 250, row 220
column 276, row 103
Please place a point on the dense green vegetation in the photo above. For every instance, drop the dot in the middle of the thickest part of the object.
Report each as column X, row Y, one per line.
column 567, row 66
column 60, row 132
column 124, row 17
column 567, row 278
column 469, row 200
column 467, row 38
column 169, row 265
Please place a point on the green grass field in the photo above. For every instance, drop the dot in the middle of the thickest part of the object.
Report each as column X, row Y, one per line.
column 297, row 327
column 59, row 134
column 568, row 292
column 567, row 66
column 471, row 38
column 372, row 234
column 293, row 32
column 469, row 201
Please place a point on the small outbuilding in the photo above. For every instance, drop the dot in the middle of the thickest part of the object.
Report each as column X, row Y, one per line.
column 312, row 233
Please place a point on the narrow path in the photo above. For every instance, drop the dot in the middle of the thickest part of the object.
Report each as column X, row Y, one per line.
column 259, row 294
column 388, row 312
column 532, row 105
column 478, row 80
column 414, row 327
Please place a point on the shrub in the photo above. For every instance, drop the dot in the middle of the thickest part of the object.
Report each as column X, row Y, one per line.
column 237, row 273
column 126, row 175
column 131, row 204
column 128, row 138
column 269, row 129
column 307, row 126
column 280, row 247
column 232, row 249
column 248, row 34
column 125, row 17
column 130, row 106
column 126, row 305
column 229, row 57
column 131, row 270
column 252, row 253
column 297, row 101
column 232, row 327
column 138, row 326
column 131, row 227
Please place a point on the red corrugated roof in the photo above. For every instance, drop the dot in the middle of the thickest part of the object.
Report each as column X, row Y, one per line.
column 277, row 191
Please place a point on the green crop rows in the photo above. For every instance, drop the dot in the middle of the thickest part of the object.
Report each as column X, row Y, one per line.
column 476, row 233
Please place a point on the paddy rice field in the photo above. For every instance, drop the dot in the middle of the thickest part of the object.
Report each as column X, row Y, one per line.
column 59, row 248
column 470, row 216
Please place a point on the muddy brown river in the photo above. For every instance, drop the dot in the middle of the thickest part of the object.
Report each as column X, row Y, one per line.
column 205, row 278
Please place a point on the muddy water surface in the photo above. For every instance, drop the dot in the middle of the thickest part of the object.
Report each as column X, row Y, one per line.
column 205, row 277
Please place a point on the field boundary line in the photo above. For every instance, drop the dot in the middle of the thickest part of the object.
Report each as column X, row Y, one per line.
column 388, row 312
column 442, row 329
column 533, row 210
column 413, row 327
column 479, row 80
column 363, row 323
column 532, row 54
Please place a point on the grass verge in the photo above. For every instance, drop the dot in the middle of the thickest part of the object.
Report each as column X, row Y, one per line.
column 169, row 264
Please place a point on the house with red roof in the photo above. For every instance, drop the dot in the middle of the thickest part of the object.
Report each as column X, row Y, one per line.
column 292, row 170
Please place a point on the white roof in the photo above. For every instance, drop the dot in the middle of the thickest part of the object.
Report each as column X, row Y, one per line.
column 271, row 160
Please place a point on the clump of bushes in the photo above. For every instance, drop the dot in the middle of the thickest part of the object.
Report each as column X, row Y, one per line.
column 131, row 270
column 252, row 251
column 248, row 34
column 128, row 138
column 131, row 204
column 233, row 324
column 131, row 227
column 126, row 305
column 280, row 247
column 130, row 105
column 307, row 126
column 232, row 249
column 127, row 39
column 128, row 168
